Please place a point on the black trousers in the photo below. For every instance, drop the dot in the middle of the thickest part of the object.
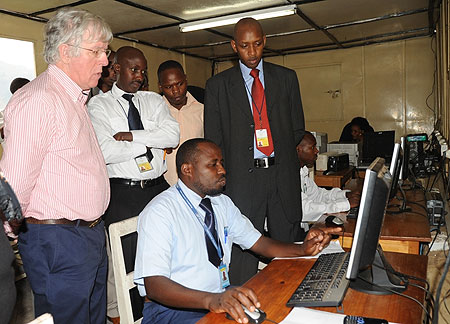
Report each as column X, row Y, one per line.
column 265, row 202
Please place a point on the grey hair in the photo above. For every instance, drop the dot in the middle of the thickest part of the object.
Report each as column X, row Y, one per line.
column 68, row 27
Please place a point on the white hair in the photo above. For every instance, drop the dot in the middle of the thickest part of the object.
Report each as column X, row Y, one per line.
column 69, row 26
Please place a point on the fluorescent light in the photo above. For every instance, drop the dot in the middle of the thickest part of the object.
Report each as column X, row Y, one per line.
column 232, row 19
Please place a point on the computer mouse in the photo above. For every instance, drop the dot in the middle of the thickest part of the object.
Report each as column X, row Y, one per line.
column 333, row 221
column 256, row 317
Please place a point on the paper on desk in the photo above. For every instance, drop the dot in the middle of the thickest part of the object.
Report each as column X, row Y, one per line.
column 333, row 247
column 302, row 315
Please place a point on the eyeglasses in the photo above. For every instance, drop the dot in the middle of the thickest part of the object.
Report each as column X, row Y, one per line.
column 97, row 53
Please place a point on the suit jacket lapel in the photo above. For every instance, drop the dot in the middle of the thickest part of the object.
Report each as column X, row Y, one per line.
column 239, row 93
column 270, row 89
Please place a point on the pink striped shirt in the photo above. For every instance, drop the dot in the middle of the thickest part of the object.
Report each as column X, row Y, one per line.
column 51, row 155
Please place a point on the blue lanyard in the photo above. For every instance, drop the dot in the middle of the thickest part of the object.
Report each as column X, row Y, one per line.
column 205, row 228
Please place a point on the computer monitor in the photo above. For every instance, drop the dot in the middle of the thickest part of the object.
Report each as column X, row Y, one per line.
column 368, row 270
column 394, row 169
column 404, row 172
column 378, row 144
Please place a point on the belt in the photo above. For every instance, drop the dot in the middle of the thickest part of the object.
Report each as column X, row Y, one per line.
column 264, row 162
column 141, row 183
column 63, row 221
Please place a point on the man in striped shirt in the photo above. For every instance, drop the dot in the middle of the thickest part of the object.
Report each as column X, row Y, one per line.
column 56, row 168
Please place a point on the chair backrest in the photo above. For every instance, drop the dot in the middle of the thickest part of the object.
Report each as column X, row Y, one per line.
column 124, row 282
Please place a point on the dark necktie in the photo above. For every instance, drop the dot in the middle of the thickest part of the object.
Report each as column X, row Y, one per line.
column 260, row 111
column 134, row 120
column 210, row 222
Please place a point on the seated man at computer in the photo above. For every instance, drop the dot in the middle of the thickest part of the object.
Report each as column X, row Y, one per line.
column 318, row 201
column 185, row 235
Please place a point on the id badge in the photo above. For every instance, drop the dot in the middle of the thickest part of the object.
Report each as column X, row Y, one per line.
column 143, row 163
column 262, row 140
column 223, row 274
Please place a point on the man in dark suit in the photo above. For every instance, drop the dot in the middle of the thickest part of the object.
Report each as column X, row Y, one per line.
column 256, row 117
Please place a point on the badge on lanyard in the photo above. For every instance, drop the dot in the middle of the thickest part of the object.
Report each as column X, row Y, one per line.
column 223, row 274
column 143, row 163
column 262, row 140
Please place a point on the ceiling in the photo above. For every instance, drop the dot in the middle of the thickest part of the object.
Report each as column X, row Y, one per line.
column 318, row 24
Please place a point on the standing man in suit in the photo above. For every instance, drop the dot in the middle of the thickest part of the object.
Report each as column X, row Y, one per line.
column 254, row 112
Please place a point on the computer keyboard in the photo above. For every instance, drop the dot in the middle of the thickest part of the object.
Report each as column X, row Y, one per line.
column 325, row 284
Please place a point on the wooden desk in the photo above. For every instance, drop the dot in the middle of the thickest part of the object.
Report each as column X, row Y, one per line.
column 275, row 284
column 403, row 232
column 335, row 180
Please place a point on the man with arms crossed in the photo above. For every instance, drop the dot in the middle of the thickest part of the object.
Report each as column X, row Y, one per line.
column 54, row 164
column 253, row 111
column 133, row 128
column 185, row 239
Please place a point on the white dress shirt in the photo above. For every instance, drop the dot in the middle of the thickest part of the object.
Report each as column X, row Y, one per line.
column 171, row 240
column 109, row 115
column 318, row 201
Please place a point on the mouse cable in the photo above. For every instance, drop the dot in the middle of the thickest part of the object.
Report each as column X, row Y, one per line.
column 432, row 242
column 269, row 320
column 400, row 294
column 439, row 288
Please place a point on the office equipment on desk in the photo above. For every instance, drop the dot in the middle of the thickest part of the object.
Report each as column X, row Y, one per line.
column 321, row 141
column 435, row 207
column 368, row 270
column 337, row 163
column 377, row 144
column 354, row 151
column 416, row 154
column 322, row 160
column 325, row 284
column 395, row 170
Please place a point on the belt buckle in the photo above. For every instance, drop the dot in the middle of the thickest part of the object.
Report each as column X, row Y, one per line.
column 266, row 162
column 95, row 222
column 142, row 184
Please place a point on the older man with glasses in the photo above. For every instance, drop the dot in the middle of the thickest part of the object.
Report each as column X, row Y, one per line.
column 54, row 163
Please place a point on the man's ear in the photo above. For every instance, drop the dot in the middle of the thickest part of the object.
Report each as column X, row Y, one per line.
column 64, row 53
column 186, row 170
column 233, row 45
column 116, row 67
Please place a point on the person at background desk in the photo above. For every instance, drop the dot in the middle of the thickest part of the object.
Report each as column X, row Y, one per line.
column 55, row 166
column 354, row 131
column 186, row 110
column 318, row 201
column 253, row 111
column 185, row 236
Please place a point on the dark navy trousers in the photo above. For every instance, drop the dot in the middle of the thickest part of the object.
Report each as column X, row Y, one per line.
column 66, row 266
column 155, row 313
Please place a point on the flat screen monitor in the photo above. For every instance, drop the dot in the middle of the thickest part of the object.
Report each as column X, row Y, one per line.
column 395, row 168
column 378, row 144
column 368, row 270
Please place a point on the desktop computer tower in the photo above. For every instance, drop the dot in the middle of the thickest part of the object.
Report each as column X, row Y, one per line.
column 354, row 151
column 322, row 141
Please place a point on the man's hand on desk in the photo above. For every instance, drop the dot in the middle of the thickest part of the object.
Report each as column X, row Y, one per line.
column 353, row 198
column 231, row 302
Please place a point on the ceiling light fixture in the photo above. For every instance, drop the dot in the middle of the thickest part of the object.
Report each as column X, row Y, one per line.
column 232, row 19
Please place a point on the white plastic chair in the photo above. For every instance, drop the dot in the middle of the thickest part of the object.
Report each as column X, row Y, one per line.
column 124, row 282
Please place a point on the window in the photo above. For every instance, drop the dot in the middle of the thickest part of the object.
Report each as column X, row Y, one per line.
column 16, row 60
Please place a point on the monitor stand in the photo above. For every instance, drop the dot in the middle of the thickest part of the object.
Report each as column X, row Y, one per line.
column 401, row 208
column 378, row 276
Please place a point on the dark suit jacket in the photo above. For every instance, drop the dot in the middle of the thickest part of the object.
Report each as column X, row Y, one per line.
column 229, row 122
